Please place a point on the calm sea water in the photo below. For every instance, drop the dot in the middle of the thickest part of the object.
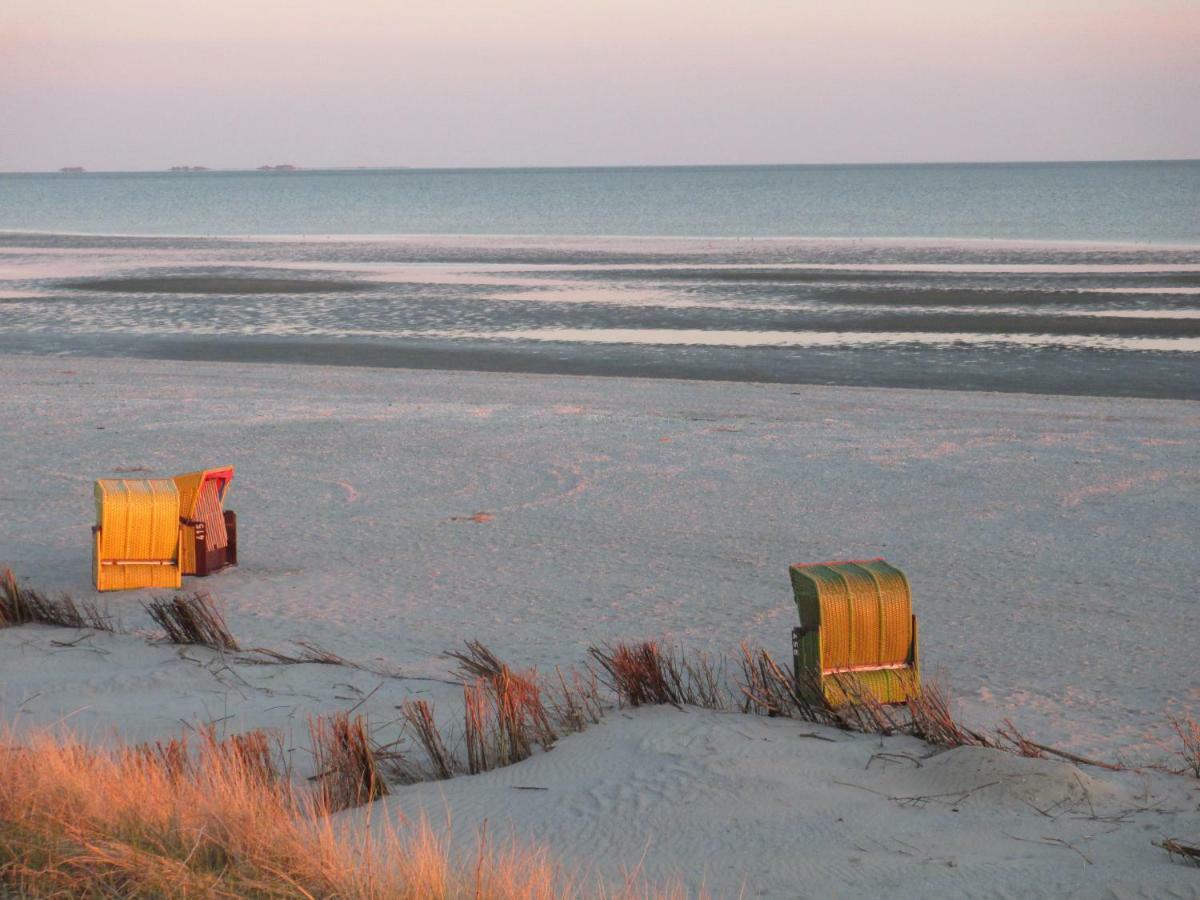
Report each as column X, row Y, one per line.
column 1128, row 201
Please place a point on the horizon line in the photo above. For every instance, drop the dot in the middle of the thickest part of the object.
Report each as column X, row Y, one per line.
column 63, row 170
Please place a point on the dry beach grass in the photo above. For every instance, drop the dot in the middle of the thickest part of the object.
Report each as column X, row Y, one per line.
column 215, row 820
column 192, row 619
column 224, row 817
column 1182, row 851
column 1188, row 730
column 346, row 761
column 22, row 605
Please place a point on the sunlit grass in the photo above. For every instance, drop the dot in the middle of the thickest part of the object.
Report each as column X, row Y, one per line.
column 212, row 820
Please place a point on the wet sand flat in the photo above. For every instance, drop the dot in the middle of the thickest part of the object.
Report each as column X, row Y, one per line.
column 183, row 284
column 1077, row 319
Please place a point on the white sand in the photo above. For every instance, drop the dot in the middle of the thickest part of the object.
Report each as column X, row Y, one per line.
column 1050, row 542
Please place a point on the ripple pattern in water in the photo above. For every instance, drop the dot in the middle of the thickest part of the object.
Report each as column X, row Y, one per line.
column 1059, row 318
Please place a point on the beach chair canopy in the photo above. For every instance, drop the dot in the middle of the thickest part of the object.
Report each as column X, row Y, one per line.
column 136, row 537
column 209, row 530
column 856, row 628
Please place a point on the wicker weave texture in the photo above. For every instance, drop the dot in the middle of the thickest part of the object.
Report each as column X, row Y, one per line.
column 858, row 627
column 863, row 611
column 137, row 534
column 886, row 685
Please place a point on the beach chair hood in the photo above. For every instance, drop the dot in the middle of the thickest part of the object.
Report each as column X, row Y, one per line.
column 856, row 629
column 209, row 530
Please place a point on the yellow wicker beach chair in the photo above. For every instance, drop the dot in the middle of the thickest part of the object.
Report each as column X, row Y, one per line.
column 135, row 541
column 209, row 530
column 857, row 631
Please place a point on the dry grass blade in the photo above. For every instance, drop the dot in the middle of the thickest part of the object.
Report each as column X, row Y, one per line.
column 477, row 661
column 476, row 727
column 11, row 608
column 1185, row 852
column 504, row 714
column 511, row 738
column 933, row 722
column 651, row 673
column 251, row 752
column 192, row 619
column 173, row 758
column 419, row 716
column 862, row 711
column 577, row 703
column 771, row 690
column 1188, row 730
column 14, row 601
column 701, row 680
column 1014, row 741
column 521, row 702
column 309, row 653
column 22, row 606
column 347, row 769
column 640, row 674
column 313, row 653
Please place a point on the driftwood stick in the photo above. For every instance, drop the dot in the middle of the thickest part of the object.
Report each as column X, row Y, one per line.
column 1075, row 758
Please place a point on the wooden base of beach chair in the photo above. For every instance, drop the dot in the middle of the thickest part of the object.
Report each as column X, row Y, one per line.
column 207, row 558
column 130, row 574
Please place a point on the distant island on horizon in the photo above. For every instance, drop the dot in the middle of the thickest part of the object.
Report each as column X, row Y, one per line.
column 291, row 167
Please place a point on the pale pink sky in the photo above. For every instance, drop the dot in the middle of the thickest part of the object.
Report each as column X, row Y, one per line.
column 144, row 84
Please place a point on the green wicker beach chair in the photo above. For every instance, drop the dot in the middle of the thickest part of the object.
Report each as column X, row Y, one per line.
column 857, row 631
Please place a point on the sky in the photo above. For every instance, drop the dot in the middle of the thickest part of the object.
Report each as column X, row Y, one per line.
column 146, row 84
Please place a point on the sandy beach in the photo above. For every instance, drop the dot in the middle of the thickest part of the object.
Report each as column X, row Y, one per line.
column 1046, row 538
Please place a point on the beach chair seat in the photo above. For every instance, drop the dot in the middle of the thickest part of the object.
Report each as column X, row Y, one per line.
column 857, row 631
column 209, row 530
column 135, row 541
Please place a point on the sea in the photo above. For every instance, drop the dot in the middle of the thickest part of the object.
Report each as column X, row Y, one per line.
column 1071, row 278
